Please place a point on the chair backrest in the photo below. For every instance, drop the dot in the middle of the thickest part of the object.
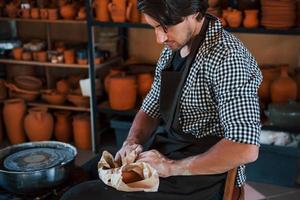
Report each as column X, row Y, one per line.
column 230, row 190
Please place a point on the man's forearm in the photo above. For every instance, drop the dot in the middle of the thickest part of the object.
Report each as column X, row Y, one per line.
column 142, row 127
column 222, row 157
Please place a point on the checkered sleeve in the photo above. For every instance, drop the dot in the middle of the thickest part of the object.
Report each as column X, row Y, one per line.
column 236, row 81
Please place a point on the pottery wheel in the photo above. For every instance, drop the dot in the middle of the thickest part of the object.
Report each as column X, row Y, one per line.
column 34, row 159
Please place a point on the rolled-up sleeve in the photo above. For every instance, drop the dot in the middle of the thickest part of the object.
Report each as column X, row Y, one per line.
column 236, row 81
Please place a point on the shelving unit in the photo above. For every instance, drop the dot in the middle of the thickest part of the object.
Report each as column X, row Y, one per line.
column 60, row 107
column 44, row 21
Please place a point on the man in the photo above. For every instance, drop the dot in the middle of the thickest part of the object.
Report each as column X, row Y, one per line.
column 204, row 97
column 218, row 97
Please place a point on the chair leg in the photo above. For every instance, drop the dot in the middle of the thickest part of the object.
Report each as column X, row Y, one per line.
column 229, row 184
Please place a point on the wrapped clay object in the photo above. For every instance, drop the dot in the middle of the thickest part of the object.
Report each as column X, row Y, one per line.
column 130, row 177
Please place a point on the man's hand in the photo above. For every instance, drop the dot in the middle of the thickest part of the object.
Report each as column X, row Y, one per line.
column 162, row 164
column 126, row 149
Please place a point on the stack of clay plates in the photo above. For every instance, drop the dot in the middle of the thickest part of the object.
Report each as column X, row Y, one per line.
column 278, row 14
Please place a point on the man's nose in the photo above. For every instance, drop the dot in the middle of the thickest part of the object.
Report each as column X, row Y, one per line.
column 161, row 36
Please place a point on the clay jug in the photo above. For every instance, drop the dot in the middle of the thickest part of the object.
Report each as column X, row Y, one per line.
column 63, row 126
column 234, row 18
column 101, row 9
column 122, row 92
column 82, row 131
column 270, row 73
column 68, row 11
column 135, row 15
column 119, row 10
column 13, row 115
column 251, row 19
column 145, row 81
column 284, row 88
column 38, row 124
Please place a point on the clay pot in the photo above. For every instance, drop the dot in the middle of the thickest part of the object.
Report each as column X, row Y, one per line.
column 82, row 131
column 234, row 18
column 270, row 73
column 27, row 56
column 251, row 19
column 63, row 126
column 52, row 14
column 111, row 73
column 11, row 10
column 63, row 86
column 24, row 13
column 3, row 90
column 13, row 115
column 35, row 13
column 101, row 9
column 28, row 83
column 16, row 92
column 69, row 56
column 81, row 14
column 135, row 15
column 82, row 61
column 144, row 84
column 119, row 10
column 79, row 100
column 68, row 11
column 122, row 92
column 284, row 88
column 53, row 97
column 17, row 53
column 44, row 13
column 42, row 56
column 38, row 124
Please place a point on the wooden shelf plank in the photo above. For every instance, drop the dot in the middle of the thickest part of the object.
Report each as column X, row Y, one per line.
column 60, row 107
column 59, row 21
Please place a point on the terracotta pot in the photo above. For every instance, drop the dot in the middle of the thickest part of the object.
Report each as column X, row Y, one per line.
column 82, row 131
column 79, row 100
column 52, row 14
column 13, row 115
column 3, row 90
column 17, row 53
column 234, row 18
column 35, row 13
column 42, row 56
column 53, row 97
column 112, row 72
column 38, row 124
column 68, row 11
column 24, row 13
column 251, row 19
column 16, row 92
column 135, row 15
column 27, row 56
column 82, row 61
column 101, row 9
column 122, row 92
column 63, row 86
column 270, row 73
column 69, row 56
column 63, row 126
column 284, row 88
column 81, row 14
column 11, row 10
column 28, row 83
column 44, row 13
column 144, row 84
column 119, row 10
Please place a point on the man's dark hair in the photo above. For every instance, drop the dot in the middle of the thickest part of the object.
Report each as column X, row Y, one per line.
column 172, row 12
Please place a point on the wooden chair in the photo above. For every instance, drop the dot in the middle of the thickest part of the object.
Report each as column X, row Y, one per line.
column 231, row 192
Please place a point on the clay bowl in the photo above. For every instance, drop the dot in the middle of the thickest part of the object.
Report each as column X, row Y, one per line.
column 21, row 93
column 79, row 100
column 53, row 97
column 30, row 83
column 130, row 177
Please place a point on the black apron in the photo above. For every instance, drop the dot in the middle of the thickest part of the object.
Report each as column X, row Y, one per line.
column 171, row 142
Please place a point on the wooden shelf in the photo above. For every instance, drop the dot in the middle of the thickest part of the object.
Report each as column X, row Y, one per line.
column 59, row 107
column 106, row 109
column 59, row 21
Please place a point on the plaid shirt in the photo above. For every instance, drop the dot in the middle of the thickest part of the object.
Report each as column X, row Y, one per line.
column 220, row 94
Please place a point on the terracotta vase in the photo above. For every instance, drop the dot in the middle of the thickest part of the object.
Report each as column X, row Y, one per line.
column 13, row 115
column 101, row 9
column 251, row 19
column 122, row 92
column 270, row 73
column 119, row 10
column 38, row 124
column 63, row 126
column 3, row 90
column 11, row 10
column 17, row 53
column 284, row 88
column 135, row 15
column 68, row 11
column 111, row 73
column 69, row 56
column 145, row 81
column 234, row 18
column 82, row 131
column 63, row 86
